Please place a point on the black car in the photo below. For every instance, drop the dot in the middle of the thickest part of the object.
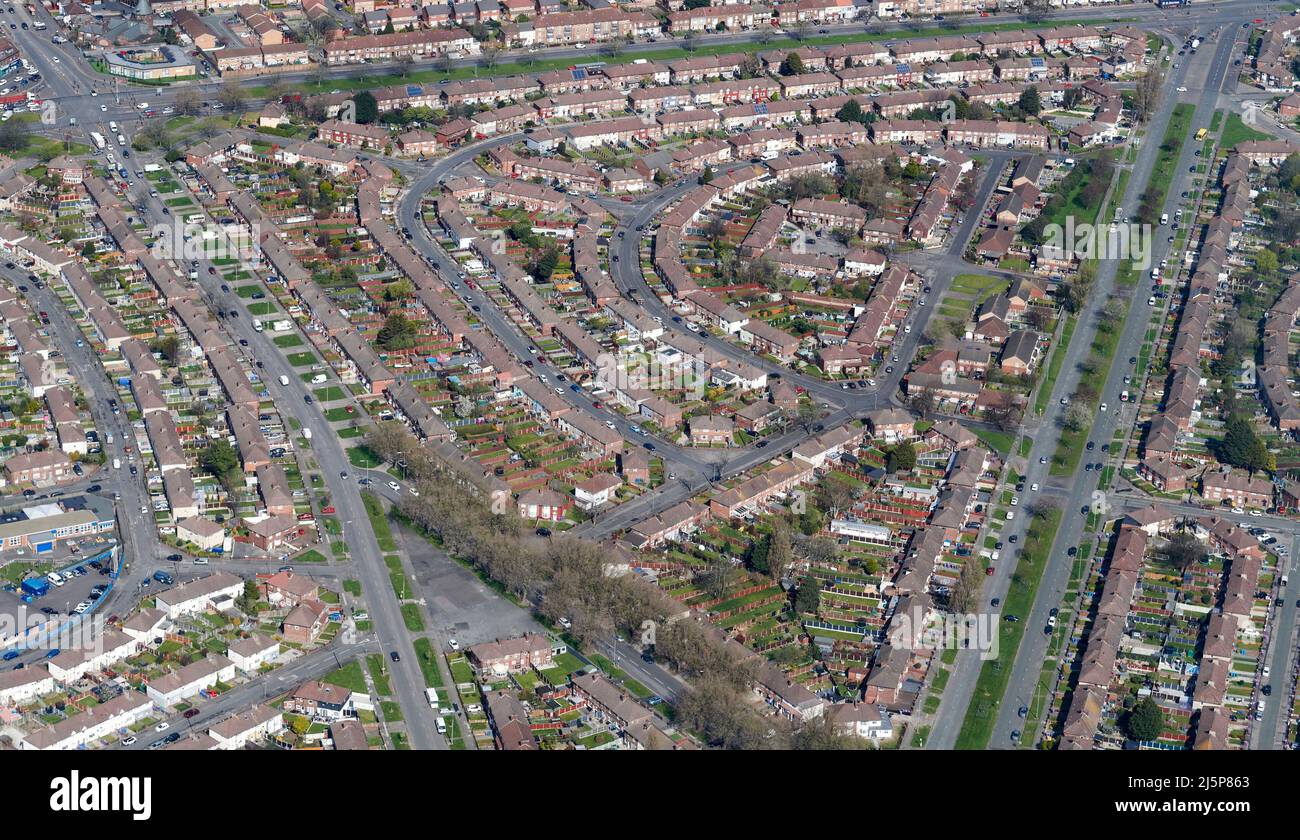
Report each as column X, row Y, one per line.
column 1132, row 360
column 94, row 488
column 543, row 532
column 1091, row 446
column 760, row 444
column 1266, row 690
column 307, row 399
column 175, row 736
column 1011, row 618
column 395, row 656
column 1013, row 539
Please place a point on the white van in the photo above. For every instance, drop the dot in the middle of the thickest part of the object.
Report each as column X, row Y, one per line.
column 55, row 578
column 284, row 380
column 442, row 725
column 1164, row 218
column 431, row 694
column 112, row 126
column 306, row 433
column 117, row 463
column 318, row 379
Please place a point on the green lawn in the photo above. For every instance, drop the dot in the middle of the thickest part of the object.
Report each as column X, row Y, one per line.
column 1235, row 131
column 290, row 340
column 982, row 713
column 349, row 677
column 302, row 359
column 329, row 394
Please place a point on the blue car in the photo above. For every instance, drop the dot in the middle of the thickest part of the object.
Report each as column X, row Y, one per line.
column 53, row 653
column 10, row 655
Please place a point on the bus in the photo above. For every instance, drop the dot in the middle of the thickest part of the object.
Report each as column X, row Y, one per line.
column 1200, row 135
column 99, row 140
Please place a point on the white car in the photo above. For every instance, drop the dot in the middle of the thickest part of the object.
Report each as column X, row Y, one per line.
column 1256, row 513
column 1034, row 486
column 1182, row 90
column 1015, row 500
column 128, row 740
column 396, row 487
column 453, row 644
column 609, row 423
column 162, row 727
column 142, row 106
column 1102, row 406
column 103, row 108
column 413, row 492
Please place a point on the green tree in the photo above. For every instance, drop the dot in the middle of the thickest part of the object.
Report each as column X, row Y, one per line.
column 367, row 108
column 1265, row 262
column 222, row 462
column 792, row 65
column 851, row 112
column 808, row 597
column 397, row 333
column 1241, row 447
column 901, row 457
column 1144, row 721
column 1030, row 102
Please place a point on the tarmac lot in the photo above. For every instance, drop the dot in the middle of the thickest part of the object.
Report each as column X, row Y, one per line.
column 460, row 605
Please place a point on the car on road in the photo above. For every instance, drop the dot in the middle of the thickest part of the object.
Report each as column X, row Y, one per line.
column 395, row 656
column 128, row 740
column 1023, row 711
column 156, row 744
column 162, row 727
column 396, row 488
column 453, row 644
column 189, row 713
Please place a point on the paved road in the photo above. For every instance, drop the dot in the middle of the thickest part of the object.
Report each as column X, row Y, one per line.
column 283, row 679
column 1210, row 67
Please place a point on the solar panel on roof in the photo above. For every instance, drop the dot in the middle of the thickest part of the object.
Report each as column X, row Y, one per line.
column 760, row 107
column 414, row 90
column 579, row 73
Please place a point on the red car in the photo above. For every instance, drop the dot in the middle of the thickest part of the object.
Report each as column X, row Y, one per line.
column 329, row 509
column 988, row 571
column 189, row 713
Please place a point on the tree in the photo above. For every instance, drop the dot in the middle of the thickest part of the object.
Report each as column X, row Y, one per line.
column 492, row 52
column 221, row 461
column 1242, row 447
column 367, row 109
column 900, row 457
column 1030, row 102
column 1182, row 551
column 188, row 102
column 1265, row 262
column 792, row 65
column 1145, row 721
column 1146, row 95
column 851, row 112
column 780, row 551
column 232, row 96
column 397, row 333
column 13, row 135
column 808, row 597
